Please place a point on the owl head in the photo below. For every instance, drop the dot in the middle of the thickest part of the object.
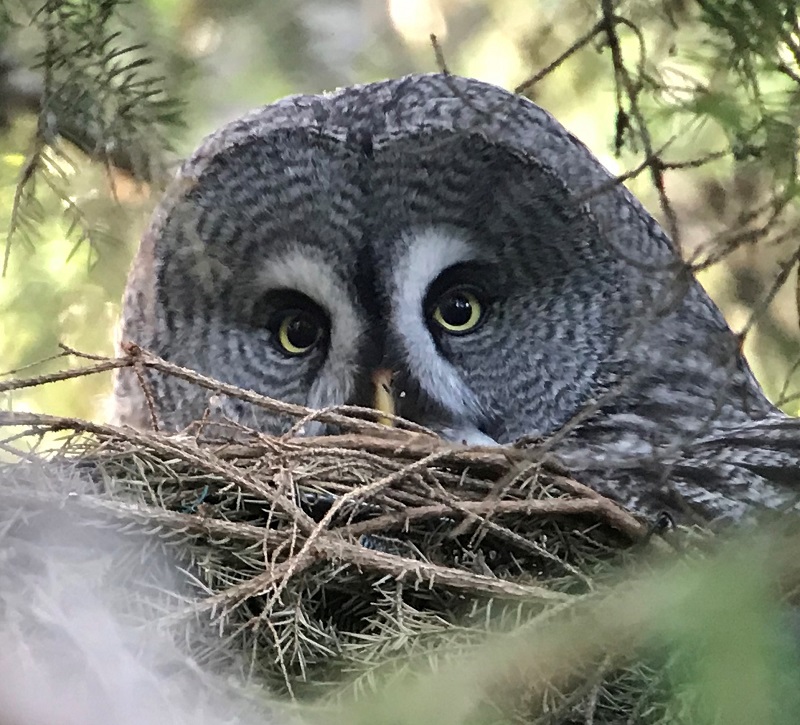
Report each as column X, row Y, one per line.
column 438, row 232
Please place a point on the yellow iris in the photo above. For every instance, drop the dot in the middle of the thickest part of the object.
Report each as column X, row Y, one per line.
column 298, row 333
column 458, row 311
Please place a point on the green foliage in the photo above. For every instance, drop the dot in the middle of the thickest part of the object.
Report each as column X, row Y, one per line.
column 73, row 182
column 705, row 92
column 710, row 89
column 730, row 660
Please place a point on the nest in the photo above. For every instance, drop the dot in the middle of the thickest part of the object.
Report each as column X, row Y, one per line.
column 340, row 563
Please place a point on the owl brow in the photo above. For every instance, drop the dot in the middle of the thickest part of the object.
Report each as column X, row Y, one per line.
column 287, row 299
column 481, row 274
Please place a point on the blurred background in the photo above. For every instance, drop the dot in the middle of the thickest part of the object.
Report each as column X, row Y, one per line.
column 709, row 83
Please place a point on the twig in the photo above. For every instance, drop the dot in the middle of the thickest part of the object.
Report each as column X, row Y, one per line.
column 584, row 40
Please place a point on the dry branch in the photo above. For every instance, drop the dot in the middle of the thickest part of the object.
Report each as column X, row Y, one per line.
column 331, row 528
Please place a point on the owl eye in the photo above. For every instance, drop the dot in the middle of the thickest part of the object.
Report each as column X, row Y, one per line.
column 298, row 331
column 458, row 311
column 296, row 323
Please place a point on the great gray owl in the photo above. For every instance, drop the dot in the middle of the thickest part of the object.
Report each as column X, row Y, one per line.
column 458, row 237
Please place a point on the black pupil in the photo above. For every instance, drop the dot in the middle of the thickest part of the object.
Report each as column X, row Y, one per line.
column 302, row 331
column 456, row 310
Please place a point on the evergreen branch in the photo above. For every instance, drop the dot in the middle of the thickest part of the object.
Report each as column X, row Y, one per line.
column 93, row 89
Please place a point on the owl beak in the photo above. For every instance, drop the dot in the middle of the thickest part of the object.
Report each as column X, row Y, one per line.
column 383, row 398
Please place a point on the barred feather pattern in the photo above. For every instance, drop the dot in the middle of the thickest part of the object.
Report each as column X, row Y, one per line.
column 364, row 200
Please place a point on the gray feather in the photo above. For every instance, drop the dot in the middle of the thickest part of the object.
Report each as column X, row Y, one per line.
column 361, row 200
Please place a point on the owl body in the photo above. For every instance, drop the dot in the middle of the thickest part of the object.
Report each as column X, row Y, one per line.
column 455, row 235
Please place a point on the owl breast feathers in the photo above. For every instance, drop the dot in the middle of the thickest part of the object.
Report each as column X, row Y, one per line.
column 451, row 237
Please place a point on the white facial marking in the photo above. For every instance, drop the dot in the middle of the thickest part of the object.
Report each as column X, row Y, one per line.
column 428, row 253
column 468, row 435
column 310, row 274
